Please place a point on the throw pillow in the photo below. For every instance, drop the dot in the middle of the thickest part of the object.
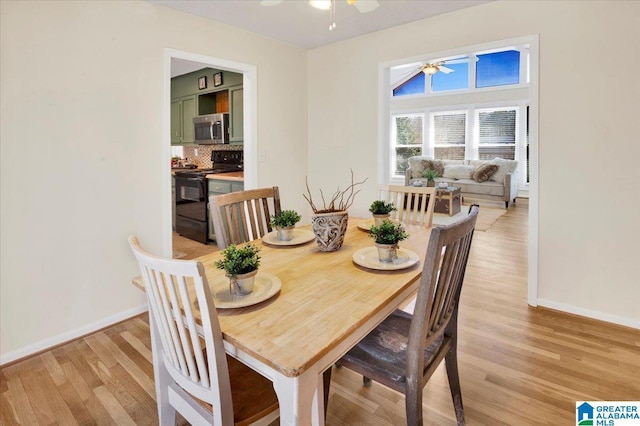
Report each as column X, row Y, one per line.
column 436, row 165
column 458, row 172
column 484, row 172
column 504, row 167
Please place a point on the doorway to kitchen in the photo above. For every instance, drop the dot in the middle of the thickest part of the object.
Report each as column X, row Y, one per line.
column 174, row 59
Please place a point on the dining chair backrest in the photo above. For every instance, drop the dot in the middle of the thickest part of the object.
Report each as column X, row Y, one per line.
column 414, row 204
column 441, row 282
column 183, row 352
column 243, row 216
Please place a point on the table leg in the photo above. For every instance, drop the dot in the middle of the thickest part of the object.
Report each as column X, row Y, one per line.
column 301, row 399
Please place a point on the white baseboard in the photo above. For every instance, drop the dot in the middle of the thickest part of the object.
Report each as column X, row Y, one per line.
column 601, row 316
column 70, row 335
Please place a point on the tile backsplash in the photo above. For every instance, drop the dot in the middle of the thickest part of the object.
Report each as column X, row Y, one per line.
column 203, row 159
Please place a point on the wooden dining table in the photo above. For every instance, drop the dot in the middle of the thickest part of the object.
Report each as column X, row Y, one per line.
column 327, row 303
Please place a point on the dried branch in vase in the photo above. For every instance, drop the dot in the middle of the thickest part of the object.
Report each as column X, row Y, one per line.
column 340, row 200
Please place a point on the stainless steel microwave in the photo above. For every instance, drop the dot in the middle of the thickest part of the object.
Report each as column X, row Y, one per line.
column 211, row 129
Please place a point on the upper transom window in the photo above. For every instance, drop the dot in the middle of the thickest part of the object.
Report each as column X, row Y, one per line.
column 475, row 71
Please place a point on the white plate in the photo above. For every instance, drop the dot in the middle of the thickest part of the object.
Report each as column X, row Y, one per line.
column 300, row 236
column 265, row 286
column 365, row 225
column 368, row 257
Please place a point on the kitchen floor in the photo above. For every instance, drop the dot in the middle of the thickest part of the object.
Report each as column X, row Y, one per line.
column 184, row 248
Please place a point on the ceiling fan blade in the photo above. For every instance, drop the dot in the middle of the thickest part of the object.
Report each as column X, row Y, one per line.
column 270, row 2
column 366, row 6
column 445, row 69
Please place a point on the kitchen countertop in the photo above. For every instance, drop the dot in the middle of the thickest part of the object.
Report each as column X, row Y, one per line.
column 234, row 176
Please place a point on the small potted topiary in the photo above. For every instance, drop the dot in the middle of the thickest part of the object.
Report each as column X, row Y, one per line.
column 284, row 222
column 241, row 266
column 430, row 175
column 387, row 236
column 380, row 211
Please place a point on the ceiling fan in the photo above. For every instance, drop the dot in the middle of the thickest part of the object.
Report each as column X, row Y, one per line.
column 432, row 68
column 363, row 6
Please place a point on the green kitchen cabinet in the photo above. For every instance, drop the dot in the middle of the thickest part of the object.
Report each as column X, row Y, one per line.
column 236, row 109
column 217, row 187
column 182, row 112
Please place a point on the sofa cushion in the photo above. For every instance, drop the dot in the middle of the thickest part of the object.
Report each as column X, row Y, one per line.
column 504, row 167
column 484, row 172
column 471, row 187
column 458, row 172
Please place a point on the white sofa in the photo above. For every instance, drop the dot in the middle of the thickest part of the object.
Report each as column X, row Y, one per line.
column 502, row 185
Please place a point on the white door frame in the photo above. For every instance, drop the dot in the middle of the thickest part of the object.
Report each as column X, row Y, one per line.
column 250, row 127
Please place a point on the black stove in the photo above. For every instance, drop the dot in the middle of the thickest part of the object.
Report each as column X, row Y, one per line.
column 192, row 196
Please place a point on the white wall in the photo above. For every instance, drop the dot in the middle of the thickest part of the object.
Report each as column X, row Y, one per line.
column 81, row 152
column 589, row 95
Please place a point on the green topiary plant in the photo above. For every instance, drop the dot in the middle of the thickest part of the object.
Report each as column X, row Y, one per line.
column 430, row 175
column 388, row 233
column 239, row 260
column 285, row 219
column 381, row 207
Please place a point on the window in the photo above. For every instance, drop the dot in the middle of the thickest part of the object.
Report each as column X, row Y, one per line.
column 498, row 68
column 462, row 114
column 491, row 69
column 449, row 134
column 413, row 86
column 407, row 137
column 455, row 80
column 496, row 133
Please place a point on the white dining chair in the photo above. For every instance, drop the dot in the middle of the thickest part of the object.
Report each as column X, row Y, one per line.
column 414, row 204
column 193, row 374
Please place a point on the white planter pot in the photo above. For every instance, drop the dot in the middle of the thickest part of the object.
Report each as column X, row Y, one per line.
column 242, row 284
column 387, row 252
column 379, row 218
column 285, row 234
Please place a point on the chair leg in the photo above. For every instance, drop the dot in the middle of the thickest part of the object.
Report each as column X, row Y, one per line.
column 506, row 204
column 413, row 404
column 366, row 381
column 451, row 362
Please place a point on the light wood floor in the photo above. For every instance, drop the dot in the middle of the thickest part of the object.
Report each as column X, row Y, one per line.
column 518, row 365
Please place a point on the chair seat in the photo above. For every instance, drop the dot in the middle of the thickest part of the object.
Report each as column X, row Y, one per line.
column 382, row 354
column 252, row 394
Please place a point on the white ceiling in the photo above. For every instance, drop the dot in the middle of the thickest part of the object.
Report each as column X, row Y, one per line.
column 297, row 23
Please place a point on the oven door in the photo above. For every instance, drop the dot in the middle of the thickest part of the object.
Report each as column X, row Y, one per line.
column 191, row 198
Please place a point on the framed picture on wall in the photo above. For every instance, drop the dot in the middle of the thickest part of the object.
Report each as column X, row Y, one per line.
column 202, row 82
column 217, row 79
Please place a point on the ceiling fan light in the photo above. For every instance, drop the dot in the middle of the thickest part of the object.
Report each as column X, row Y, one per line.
column 430, row 69
column 320, row 4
